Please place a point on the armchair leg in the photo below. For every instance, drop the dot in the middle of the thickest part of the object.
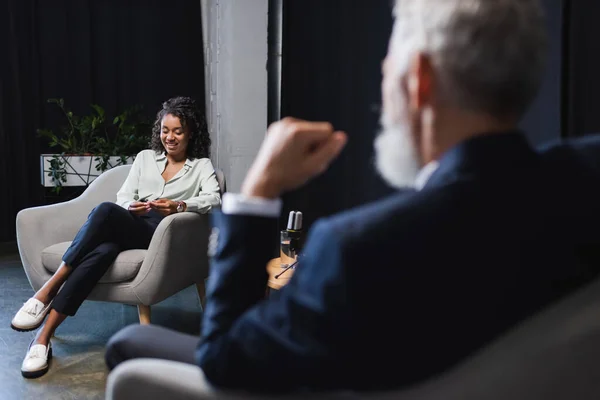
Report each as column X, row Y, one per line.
column 201, row 288
column 144, row 313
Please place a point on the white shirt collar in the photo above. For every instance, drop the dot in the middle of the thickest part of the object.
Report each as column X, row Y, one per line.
column 162, row 158
column 425, row 173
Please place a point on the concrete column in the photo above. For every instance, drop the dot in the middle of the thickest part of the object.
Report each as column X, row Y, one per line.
column 236, row 52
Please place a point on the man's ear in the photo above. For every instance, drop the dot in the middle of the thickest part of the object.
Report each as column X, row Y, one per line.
column 420, row 82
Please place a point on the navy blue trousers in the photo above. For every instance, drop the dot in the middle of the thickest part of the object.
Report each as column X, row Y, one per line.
column 108, row 230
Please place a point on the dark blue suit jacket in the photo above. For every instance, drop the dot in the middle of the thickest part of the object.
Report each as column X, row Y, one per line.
column 397, row 291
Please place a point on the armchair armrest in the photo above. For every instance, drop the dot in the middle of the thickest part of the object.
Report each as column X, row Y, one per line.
column 154, row 379
column 158, row 379
column 40, row 227
column 177, row 257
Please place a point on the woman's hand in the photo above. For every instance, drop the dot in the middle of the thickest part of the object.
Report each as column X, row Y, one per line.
column 139, row 208
column 164, row 206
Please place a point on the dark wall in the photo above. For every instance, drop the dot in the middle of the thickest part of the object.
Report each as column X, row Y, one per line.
column 332, row 54
column 582, row 62
column 544, row 121
column 115, row 53
column 118, row 53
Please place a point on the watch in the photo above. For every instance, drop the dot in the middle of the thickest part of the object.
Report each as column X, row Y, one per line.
column 180, row 206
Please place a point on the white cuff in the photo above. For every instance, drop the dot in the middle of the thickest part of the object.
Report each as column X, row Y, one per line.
column 239, row 204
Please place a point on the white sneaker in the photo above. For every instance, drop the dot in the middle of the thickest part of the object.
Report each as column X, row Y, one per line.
column 30, row 316
column 36, row 360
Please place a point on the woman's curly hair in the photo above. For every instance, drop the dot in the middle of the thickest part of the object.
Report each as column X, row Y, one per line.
column 189, row 115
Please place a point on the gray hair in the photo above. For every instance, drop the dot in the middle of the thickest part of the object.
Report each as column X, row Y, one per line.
column 489, row 54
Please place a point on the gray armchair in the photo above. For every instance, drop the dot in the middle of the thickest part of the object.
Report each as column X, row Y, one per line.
column 552, row 356
column 175, row 259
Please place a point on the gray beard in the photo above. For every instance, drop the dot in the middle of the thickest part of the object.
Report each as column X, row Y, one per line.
column 396, row 158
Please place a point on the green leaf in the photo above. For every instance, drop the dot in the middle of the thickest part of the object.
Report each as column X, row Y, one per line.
column 98, row 109
column 116, row 120
column 46, row 133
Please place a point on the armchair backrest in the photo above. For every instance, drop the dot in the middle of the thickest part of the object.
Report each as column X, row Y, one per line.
column 106, row 186
column 221, row 180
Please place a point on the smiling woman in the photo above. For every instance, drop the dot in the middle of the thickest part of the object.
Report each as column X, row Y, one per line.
column 180, row 139
column 174, row 137
column 181, row 114
column 174, row 176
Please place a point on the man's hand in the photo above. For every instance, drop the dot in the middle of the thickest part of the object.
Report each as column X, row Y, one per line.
column 164, row 206
column 139, row 208
column 293, row 152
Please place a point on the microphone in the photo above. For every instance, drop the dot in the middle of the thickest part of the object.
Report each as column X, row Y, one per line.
column 298, row 221
column 291, row 218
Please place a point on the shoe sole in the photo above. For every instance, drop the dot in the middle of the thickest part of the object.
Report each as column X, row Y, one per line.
column 24, row 330
column 33, row 328
column 37, row 374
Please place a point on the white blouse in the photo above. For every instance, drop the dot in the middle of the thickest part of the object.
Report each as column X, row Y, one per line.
column 195, row 184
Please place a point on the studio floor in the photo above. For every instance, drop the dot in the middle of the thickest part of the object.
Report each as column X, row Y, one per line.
column 77, row 370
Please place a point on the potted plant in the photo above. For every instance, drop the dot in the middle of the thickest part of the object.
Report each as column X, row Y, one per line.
column 89, row 145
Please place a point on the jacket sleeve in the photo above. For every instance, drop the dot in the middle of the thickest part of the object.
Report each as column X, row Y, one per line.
column 276, row 344
column 209, row 196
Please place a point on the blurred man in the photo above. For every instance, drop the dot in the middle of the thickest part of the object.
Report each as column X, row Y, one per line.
column 397, row 291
